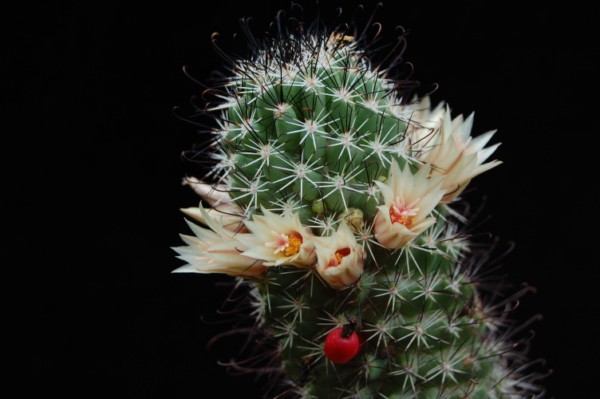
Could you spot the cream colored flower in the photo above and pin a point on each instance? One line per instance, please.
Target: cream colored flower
(279, 240)
(229, 216)
(224, 209)
(407, 203)
(340, 259)
(456, 155)
(216, 250)
(213, 194)
(423, 122)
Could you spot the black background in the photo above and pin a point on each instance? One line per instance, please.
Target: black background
(95, 175)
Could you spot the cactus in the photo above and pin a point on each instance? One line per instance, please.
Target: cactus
(333, 201)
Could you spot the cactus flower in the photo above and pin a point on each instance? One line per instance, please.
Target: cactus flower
(216, 250)
(407, 204)
(213, 194)
(279, 240)
(340, 257)
(227, 211)
(456, 155)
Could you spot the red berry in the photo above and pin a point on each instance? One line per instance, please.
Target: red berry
(340, 349)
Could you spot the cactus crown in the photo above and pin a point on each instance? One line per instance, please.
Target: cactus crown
(310, 126)
(330, 199)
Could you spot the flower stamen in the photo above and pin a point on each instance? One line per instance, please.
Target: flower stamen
(403, 213)
(338, 256)
(289, 245)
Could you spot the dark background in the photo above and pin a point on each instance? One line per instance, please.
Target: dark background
(94, 162)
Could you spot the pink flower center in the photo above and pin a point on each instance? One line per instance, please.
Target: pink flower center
(403, 213)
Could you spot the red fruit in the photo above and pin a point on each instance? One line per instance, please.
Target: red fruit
(340, 348)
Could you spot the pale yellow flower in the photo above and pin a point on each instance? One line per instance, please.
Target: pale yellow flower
(340, 258)
(447, 145)
(459, 157)
(213, 194)
(423, 122)
(228, 216)
(216, 250)
(224, 209)
(279, 240)
(408, 200)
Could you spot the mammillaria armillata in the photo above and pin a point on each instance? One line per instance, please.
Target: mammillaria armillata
(333, 201)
